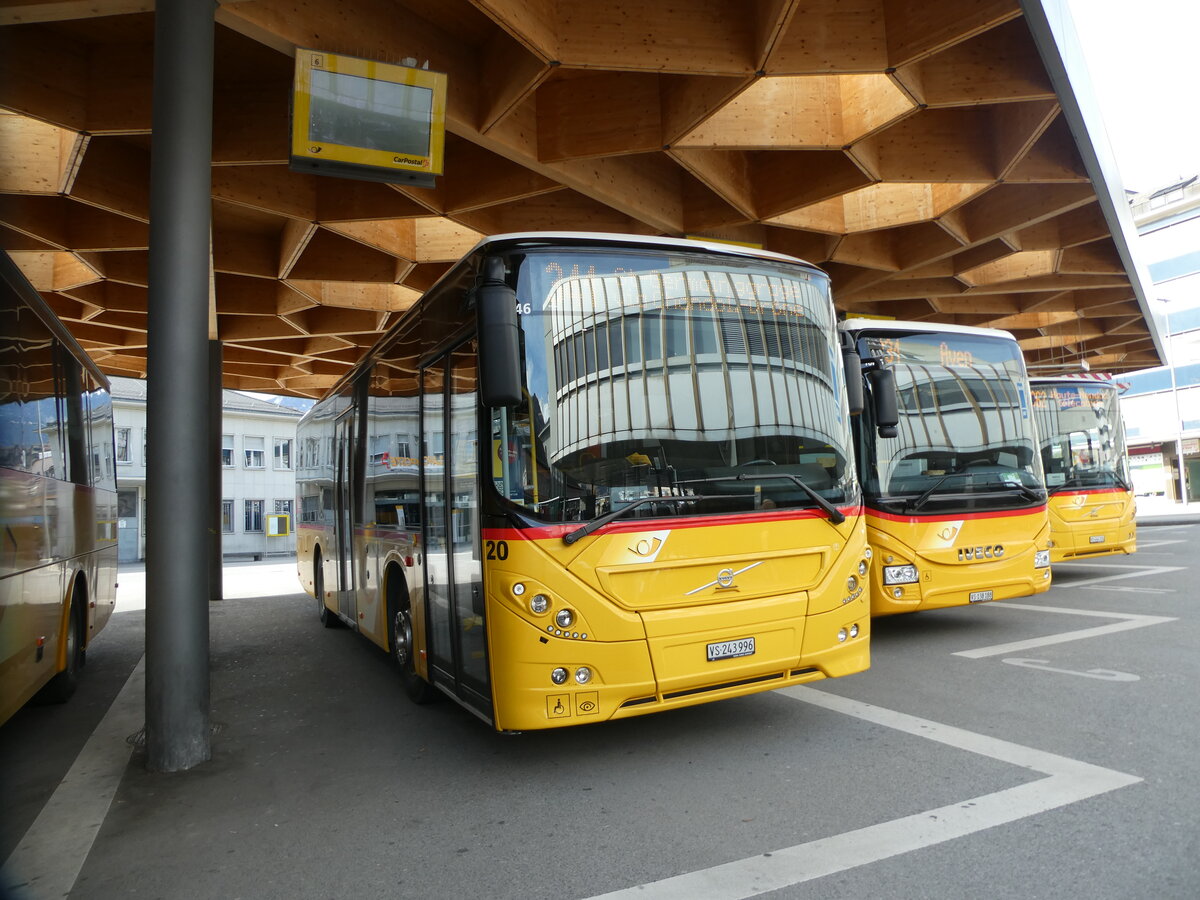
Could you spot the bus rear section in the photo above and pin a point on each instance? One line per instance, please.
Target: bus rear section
(1082, 439)
(955, 504)
(624, 484)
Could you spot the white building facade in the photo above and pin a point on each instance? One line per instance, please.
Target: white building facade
(258, 476)
(1162, 406)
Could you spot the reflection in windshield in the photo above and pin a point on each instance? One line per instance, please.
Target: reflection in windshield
(965, 436)
(662, 376)
(1082, 438)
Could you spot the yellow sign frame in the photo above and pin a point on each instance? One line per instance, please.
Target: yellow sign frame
(312, 153)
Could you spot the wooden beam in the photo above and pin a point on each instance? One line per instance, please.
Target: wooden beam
(532, 23)
(825, 36)
(1009, 207)
(115, 175)
(250, 124)
(708, 37)
(331, 257)
(1054, 157)
(785, 181)
(998, 65)
(44, 75)
(511, 74)
(686, 101)
(477, 178)
(583, 114)
(271, 188)
(19, 13)
(935, 145)
(921, 29)
(725, 172)
(35, 157)
(357, 295)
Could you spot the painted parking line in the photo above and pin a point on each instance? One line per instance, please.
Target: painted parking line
(1138, 572)
(1125, 622)
(1067, 781)
(49, 857)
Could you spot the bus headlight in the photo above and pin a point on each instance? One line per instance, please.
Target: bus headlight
(564, 617)
(559, 675)
(583, 675)
(854, 630)
(842, 635)
(1041, 559)
(539, 603)
(900, 574)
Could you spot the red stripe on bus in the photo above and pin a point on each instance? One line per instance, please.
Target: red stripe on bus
(540, 532)
(954, 517)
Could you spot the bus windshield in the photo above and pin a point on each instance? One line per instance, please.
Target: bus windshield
(965, 439)
(1082, 439)
(673, 374)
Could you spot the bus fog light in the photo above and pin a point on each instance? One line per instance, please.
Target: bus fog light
(539, 603)
(842, 635)
(854, 630)
(900, 574)
(518, 589)
(559, 675)
(852, 584)
(897, 593)
(564, 618)
(868, 553)
(1041, 559)
(583, 675)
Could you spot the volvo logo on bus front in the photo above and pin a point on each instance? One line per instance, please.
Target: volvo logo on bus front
(989, 551)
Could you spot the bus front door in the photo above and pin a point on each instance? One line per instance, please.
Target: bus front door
(453, 574)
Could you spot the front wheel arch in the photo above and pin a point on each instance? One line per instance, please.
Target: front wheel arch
(402, 638)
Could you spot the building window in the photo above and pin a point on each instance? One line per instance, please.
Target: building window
(227, 516)
(253, 520)
(283, 507)
(227, 450)
(122, 436)
(253, 448)
(283, 453)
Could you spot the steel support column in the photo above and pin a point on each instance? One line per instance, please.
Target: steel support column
(177, 478)
(216, 409)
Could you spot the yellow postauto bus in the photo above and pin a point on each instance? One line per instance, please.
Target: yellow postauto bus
(595, 476)
(1082, 440)
(58, 499)
(955, 504)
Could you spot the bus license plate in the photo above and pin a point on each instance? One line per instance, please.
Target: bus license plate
(1096, 539)
(731, 649)
(980, 596)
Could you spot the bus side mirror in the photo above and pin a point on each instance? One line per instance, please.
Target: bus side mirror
(500, 379)
(852, 363)
(883, 391)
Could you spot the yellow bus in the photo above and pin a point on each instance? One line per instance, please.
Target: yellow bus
(587, 477)
(955, 504)
(1087, 467)
(58, 500)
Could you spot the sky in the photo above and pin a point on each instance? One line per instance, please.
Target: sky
(1142, 56)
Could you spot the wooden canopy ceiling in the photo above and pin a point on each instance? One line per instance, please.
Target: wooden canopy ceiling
(916, 151)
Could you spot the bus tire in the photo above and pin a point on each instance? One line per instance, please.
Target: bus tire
(328, 618)
(60, 688)
(400, 640)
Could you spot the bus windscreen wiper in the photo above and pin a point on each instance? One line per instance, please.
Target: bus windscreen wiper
(835, 514)
(600, 521)
(929, 491)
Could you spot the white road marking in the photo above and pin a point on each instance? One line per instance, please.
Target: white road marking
(1128, 621)
(1068, 781)
(49, 857)
(1116, 588)
(1140, 571)
(1043, 664)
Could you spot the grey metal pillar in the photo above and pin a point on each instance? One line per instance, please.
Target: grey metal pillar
(216, 586)
(177, 478)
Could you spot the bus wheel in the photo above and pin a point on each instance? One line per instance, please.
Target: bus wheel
(401, 637)
(60, 688)
(328, 619)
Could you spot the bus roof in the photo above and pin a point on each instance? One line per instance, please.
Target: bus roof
(636, 240)
(922, 327)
